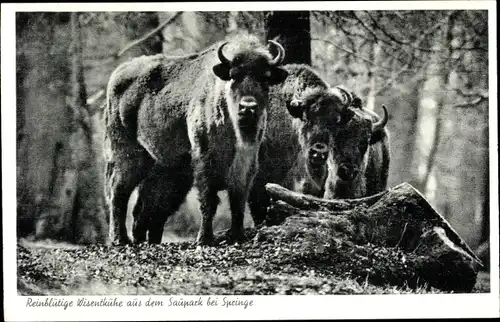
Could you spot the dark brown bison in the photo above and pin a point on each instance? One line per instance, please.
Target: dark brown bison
(197, 118)
(345, 147)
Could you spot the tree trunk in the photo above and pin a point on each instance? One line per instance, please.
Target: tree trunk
(43, 74)
(431, 159)
(445, 70)
(74, 211)
(371, 74)
(292, 29)
(396, 234)
(459, 157)
(89, 216)
(25, 205)
(484, 196)
(404, 127)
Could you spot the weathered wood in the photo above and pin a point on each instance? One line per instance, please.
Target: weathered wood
(308, 202)
(398, 220)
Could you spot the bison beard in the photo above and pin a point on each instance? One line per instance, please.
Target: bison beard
(248, 128)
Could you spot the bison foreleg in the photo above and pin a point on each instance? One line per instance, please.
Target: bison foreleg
(207, 196)
(241, 177)
(208, 206)
(237, 204)
(141, 216)
(258, 200)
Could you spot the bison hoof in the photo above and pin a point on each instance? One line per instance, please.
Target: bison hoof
(235, 236)
(121, 241)
(205, 240)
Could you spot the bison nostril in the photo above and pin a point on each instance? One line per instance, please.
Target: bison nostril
(247, 106)
(246, 112)
(317, 158)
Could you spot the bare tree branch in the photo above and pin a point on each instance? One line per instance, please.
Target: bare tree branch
(478, 97)
(385, 32)
(149, 34)
(350, 53)
(390, 81)
(390, 52)
(349, 39)
(349, 33)
(411, 59)
(402, 42)
(482, 94)
(471, 48)
(94, 97)
(472, 103)
(92, 16)
(375, 37)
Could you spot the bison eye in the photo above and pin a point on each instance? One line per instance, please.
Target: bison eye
(237, 60)
(235, 75)
(263, 76)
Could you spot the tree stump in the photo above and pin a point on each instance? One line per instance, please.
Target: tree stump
(393, 237)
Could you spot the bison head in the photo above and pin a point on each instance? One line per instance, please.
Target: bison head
(322, 112)
(250, 73)
(350, 149)
(335, 135)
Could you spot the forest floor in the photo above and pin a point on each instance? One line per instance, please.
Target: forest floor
(182, 268)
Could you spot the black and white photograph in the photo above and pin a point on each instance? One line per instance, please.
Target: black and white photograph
(192, 160)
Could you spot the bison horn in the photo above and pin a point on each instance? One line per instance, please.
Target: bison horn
(379, 126)
(222, 58)
(280, 56)
(344, 96)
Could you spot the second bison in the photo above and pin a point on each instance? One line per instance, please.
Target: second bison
(346, 148)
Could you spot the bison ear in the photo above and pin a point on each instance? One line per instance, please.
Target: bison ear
(356, 101)
(296, 108)
(222, 71)
(278, 75)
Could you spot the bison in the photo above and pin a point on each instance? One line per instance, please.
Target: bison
(198, 119)
(345, 147)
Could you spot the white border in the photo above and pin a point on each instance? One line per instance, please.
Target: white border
(270, 307)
